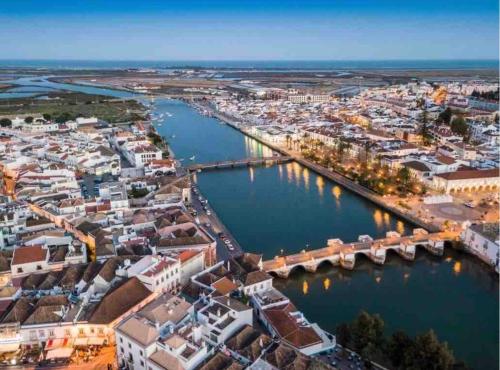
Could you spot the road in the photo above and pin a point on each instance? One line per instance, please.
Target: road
(214, 226)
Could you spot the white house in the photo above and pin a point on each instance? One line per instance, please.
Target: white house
(483, 241)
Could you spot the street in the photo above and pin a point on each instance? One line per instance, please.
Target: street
(212, 224)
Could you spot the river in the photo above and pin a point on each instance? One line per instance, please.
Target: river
(289, 208)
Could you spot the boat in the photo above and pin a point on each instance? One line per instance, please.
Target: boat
(192, 158)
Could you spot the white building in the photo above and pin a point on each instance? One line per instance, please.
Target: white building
(483, 241)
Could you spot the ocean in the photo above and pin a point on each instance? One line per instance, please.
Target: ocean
(313, 65)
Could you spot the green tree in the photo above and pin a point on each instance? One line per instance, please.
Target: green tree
(459, 126)
(47, 116)
(28, 119)
(429, 353)
(398, 346)
(5, 122)
(404, 175)
(367, 329)
(343, 335)
(63, 117)
(445, 116)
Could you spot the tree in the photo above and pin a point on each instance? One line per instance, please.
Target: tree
(429, 353)
(445, 116)
(367, 329)
(47, 117)
(5, 122)
(343, 334)
(404, 175)
(398, 346)
(459, 126)
(63, 117)
(28, 119)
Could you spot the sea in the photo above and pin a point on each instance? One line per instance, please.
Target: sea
(287, 65)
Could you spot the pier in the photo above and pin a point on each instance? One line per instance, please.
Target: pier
(240, 163)
(338, 253)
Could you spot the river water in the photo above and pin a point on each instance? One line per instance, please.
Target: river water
(289, 208)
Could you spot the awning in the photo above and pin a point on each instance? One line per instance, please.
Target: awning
(56, 343)
(80, 341)
(63, 352)
(96, 341)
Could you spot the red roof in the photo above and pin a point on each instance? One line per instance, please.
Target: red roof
(30, 254)
(188, 254)
(470, 174)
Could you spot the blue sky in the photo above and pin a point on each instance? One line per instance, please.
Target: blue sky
(249, 30)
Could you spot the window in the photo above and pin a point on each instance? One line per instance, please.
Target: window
(51, 333)
(101, 331)
(142, 363)
(19, 270)
(121, 349)
(121, 340)
(38, 267)
(41, 333)
(129, 345)
(80, 331)
(67, 332)
(142, 354)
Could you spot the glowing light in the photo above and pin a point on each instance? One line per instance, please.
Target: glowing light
(326, 283)
(305, 287)
(378, 279)
(320, 183)
(377, 217)
(406, 275)
(457, 267)
(337, 192)
(250, 169)
(305, 175)
(387, 219)
(448, 259)
(400, 227)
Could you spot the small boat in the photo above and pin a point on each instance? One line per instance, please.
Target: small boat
(192, 158)
(173, 136)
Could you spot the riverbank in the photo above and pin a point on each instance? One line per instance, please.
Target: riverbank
(332, 176)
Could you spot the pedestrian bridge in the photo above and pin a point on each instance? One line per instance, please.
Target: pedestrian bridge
(338, 253)
(277, 159)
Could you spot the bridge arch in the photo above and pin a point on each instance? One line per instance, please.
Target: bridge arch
(297, 269)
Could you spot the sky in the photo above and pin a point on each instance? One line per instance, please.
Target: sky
(249, 29)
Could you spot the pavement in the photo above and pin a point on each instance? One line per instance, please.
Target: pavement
(214, 226)
(346, 360)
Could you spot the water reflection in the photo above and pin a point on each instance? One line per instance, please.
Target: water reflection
(326, 283)
(337, 192)
(305, 175)
(400, 227)
(377, 217)
(457, 267)
(305, 287)
(320, 184)
(251, 171)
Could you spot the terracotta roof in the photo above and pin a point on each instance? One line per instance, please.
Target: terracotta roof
(31, 254)
(188, 254)
(289, 329)
(470, 174)
(119, 300)
(224, 286)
